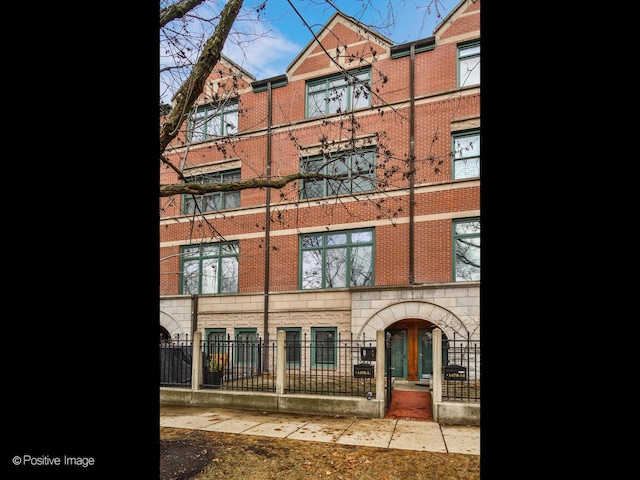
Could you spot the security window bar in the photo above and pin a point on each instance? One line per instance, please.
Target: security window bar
(338, 94)
(466, 246)
(210, 121)
(211, 202)
(210, 268)
(336, 259)
(354, 172)
(469, 64)
(466, 155)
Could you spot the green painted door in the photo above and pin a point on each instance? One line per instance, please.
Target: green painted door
(425, 358)
(398, 353)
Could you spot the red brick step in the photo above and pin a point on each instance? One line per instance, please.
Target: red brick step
(410, 405)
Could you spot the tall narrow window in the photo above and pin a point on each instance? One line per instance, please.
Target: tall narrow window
(211, 202)
(339, 93)
(469, 64)
(210, 268)
(247, 352)
(215, 334)
(323, 350)
(466, 154)
(215, 343)
(293, 345)
(355, 172)
(210, 121)
(466, 247)
(336, 259)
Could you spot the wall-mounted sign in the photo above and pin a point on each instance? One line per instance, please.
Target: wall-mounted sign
(455, 372)
(363, 371)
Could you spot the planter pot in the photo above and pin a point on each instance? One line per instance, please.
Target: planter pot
(213, 378)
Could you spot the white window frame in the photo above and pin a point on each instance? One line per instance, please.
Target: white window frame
(469, 64)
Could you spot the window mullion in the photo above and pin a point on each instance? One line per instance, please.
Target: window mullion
(348, 280)
(327, 97)
(324, 261)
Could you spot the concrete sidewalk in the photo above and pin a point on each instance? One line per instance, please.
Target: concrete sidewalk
(372, 432)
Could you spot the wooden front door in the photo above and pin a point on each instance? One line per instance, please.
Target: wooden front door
(406, 346)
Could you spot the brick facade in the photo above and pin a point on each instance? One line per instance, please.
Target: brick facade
(440, 109)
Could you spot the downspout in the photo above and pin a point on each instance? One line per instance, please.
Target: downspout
(194, 314)
(412, 109)
(267, 243)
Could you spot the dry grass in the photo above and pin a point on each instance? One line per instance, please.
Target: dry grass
(202, 455)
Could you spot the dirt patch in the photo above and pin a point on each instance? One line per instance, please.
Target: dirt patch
(201, 455)
(183, 456)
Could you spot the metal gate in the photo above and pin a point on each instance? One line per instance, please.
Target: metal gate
(388, 369)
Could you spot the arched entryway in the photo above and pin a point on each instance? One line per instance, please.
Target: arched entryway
(411, 349)
(411, 324)
(164, 335)
(171, 327)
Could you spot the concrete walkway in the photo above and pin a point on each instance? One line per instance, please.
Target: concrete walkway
(372, 432)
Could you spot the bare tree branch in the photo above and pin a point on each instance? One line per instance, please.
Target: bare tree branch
(201, 189)
(177, 10)
(169, 164)
(189, 91)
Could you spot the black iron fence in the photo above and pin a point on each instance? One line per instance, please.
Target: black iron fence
(239, 365)
(461, 374)
(176, 358)
(342, 366)
(331, 366)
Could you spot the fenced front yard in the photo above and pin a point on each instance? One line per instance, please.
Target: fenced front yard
(461, 370)
(340, 367)
(321, 368)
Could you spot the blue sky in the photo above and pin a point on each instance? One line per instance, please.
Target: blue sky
(283, 35)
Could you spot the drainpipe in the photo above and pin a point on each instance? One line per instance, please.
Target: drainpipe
(194, 314)
(267, 243)
(268, 85)
(412, 109)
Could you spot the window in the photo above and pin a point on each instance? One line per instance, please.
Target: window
(209, 121)
(210, 268)
(215, 334)
(212, 201)
(466, 247)
(247, 351)
(336, 259)
(356, 173)
(469, 64)
(215, 342)
(466, 154)
(338, 94)
(293, 344)
(323, 347)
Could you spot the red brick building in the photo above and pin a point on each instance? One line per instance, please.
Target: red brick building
(388, 238)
